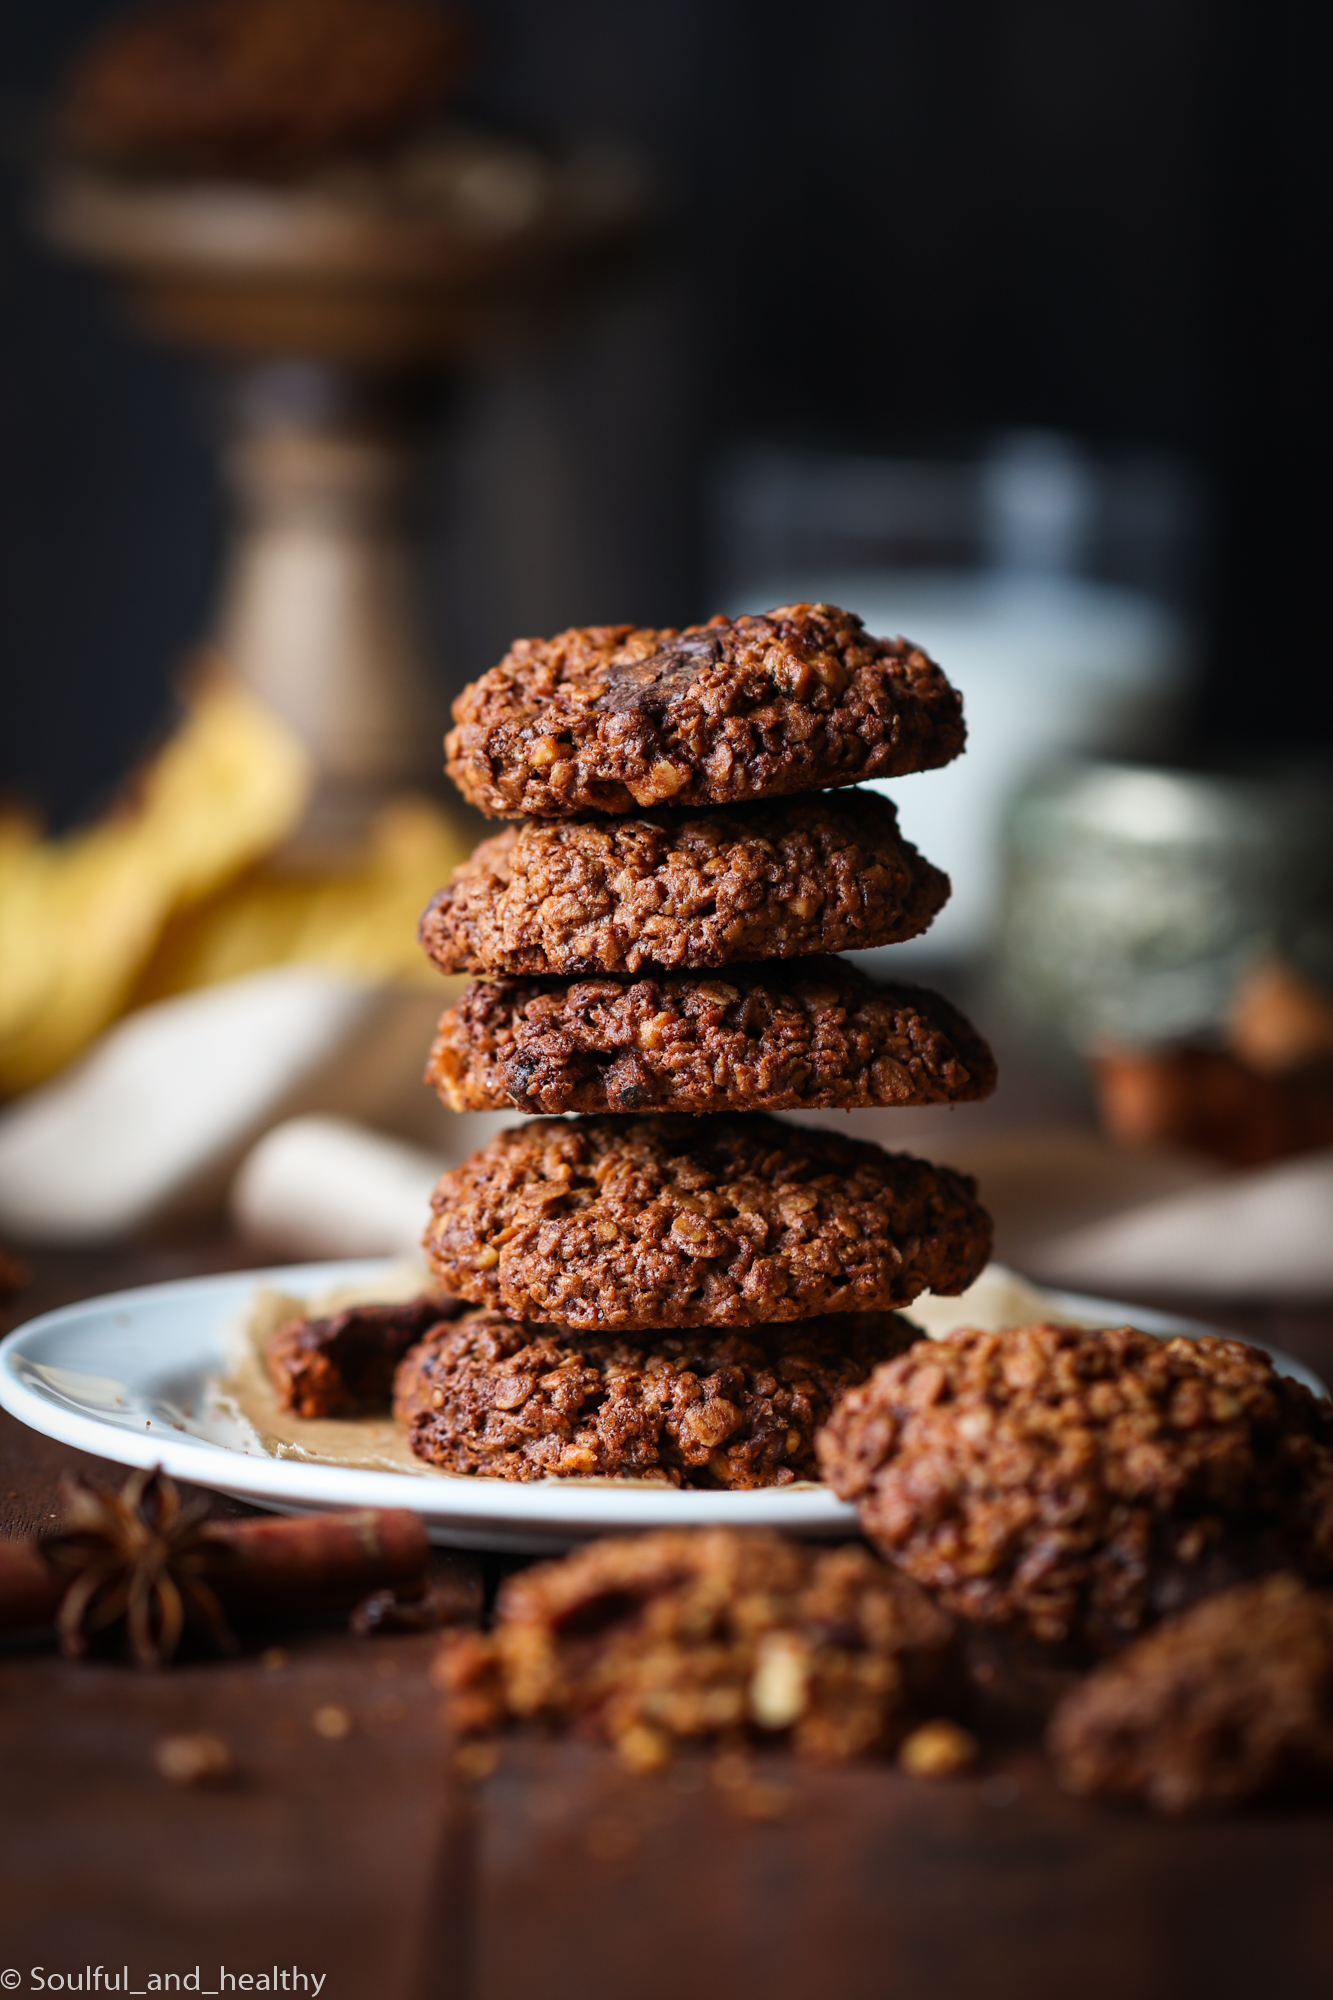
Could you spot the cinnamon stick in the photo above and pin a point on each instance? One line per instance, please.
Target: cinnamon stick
(316, 1562)
(293, 1566)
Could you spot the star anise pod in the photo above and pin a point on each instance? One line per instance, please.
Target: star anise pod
(136, 1560)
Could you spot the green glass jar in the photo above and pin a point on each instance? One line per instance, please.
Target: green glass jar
(1136, 898)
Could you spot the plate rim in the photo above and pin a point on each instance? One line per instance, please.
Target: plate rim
(495, 1514)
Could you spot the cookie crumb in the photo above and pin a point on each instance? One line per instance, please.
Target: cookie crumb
(938, 1749)
(475, 1762)
(199, 1758)
(643, 1749)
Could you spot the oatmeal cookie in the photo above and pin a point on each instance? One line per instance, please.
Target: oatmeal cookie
(343, 1366)
(818, 1036)
(614, 718)
(494, 1396)
(649, 1641)
(1074, 1482)
(722, 1221)
(675, 891)
(1232, 1701)
(262, 88)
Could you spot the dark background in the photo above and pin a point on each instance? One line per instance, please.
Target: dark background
(894, 226)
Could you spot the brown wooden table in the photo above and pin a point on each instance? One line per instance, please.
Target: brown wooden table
(361, 1858)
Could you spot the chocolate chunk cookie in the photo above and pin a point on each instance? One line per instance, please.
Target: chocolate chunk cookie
(676, 891)
(343, 1366)
(725, 1221)
(1079, 1483)
(817, 1035)
(494, 1396)
(612, 719)
(648, 1641)
(1230, 1702)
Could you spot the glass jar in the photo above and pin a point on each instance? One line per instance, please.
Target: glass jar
(1136, 898)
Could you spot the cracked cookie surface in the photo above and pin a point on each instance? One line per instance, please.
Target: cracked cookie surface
(814, 1035)
(632, 1223)
(1082, 1483)
(678, 891)
(614, 718)
(494, 1396)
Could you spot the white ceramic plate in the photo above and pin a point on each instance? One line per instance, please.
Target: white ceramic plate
(127, 1377)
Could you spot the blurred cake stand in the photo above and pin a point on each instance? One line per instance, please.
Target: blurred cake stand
(339, 303)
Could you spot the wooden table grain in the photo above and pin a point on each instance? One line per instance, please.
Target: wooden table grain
(360, 1861)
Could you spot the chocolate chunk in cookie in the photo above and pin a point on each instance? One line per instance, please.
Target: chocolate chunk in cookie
(814, 1035)
(630, 1223)
(614, 718)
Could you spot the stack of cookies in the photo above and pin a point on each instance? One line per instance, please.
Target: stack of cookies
(674, 1284)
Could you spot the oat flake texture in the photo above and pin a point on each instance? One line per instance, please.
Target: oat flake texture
(728, 1221)
(613, 718)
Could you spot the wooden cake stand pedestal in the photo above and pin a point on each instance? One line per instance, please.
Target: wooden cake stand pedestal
(338, 305)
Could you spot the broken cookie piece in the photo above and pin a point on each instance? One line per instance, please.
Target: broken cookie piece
(343, 1366)
(718, 1636)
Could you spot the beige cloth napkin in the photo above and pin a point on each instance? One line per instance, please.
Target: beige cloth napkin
(154, 1120)
(1269, 1233)
(324, 1187)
